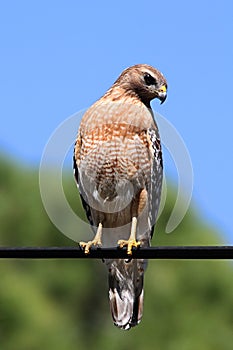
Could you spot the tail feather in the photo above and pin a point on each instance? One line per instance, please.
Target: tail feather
(126, 293)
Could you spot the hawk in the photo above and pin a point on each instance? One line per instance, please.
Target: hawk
(118, 169)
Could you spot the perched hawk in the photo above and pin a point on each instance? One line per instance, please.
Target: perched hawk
(118, 169)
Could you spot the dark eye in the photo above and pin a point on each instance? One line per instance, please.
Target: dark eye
(149, 80)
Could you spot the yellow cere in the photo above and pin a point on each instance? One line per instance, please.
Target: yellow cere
(163, 88)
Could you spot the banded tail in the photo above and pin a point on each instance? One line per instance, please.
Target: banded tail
(126, 292)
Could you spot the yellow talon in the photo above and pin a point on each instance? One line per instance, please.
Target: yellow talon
(95, 242)
(87, 245)
(129, 243)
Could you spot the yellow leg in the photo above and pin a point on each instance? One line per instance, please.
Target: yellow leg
(95, 242)
(131, 242)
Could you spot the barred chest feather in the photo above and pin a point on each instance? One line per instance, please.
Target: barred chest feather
(115, 164)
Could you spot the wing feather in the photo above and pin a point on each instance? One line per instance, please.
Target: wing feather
(156, 175)
(76, 162)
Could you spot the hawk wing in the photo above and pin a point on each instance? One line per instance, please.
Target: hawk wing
(76, 161)
(156, 176)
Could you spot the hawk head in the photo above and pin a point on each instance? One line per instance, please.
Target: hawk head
(145, 81)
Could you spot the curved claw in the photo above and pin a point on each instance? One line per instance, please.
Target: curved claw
(87, 245)
(95, 242)
(130, 243)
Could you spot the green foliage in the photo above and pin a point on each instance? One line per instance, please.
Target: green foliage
(63, 304)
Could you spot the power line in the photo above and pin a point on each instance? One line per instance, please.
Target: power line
(161, 252)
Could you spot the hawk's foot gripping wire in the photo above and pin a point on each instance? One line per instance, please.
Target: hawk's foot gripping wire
(131, 242)
(95, 242)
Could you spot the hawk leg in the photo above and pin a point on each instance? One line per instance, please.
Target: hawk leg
(95, 242)
(131, 242)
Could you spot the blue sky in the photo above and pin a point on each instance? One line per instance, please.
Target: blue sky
(58, 57)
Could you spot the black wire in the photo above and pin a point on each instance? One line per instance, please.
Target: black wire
(165, 252)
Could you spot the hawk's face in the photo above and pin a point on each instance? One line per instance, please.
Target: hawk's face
(147, 82)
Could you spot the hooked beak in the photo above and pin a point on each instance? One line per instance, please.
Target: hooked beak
(162, 93)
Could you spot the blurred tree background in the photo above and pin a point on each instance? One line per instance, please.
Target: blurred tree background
(63, 304)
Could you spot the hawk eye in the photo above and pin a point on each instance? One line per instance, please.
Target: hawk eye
(149, 80)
